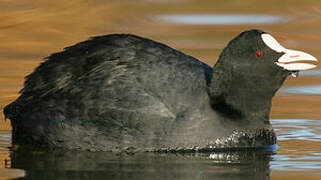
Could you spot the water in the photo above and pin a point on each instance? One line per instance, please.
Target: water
(311, 73)
(298, 131)
(307, 90)
(86, 165)
(222, 19)
(31, 30)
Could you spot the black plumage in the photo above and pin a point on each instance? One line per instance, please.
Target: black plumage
(119, 91)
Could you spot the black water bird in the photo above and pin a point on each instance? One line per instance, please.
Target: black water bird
(121, 91)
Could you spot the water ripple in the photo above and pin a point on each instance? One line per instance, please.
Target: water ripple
(290, 165)
(222, 19)
(5, 137)
(297, 129)
(306, 90)
(315, 72)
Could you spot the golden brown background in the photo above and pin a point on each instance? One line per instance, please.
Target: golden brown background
(32, 29)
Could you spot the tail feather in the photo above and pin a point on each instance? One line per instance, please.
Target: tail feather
(11, 111)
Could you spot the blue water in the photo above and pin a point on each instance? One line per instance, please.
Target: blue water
(314, 72)
(303, 90)
(298, 129)
(222, 19)
(305, 131)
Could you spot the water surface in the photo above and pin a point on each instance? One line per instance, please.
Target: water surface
(31, 30)
(303, 90)
(222, 19)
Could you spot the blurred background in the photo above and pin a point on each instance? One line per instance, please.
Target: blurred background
(33, 29)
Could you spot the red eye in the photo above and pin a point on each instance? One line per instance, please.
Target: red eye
(258, 53)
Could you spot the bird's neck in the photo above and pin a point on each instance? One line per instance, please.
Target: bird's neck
(239, 100)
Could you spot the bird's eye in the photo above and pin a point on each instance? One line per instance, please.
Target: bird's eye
(258, 54)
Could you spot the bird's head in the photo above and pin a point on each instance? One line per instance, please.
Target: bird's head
(256, 59)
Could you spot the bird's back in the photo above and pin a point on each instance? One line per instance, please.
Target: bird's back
(105, 91)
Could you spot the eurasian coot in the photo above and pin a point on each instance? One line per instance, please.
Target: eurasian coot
(122, 91)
